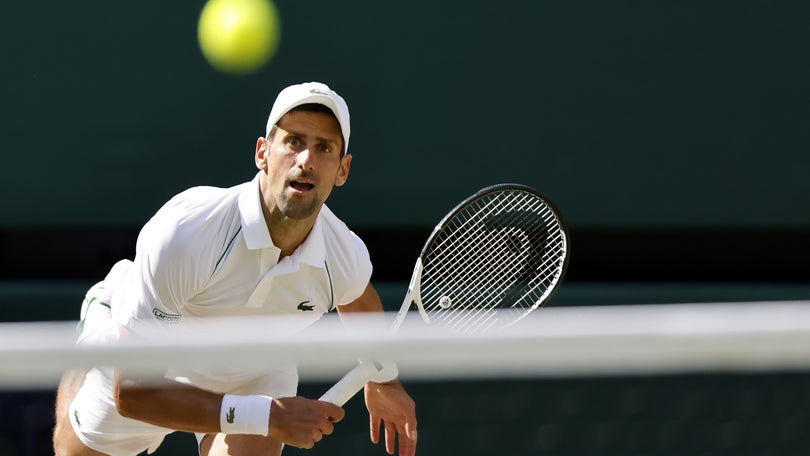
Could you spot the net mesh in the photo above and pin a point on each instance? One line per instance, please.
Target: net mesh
(565, 341)
(730, 378)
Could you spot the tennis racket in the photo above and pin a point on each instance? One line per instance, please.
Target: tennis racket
(494, 258)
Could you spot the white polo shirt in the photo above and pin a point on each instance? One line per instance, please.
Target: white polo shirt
(207, 253)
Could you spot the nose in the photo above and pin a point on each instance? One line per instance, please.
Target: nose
(304, 158)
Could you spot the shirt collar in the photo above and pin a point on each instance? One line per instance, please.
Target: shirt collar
(250, 210)
(313, 250)
(254, 227)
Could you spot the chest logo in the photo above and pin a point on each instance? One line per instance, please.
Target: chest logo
(304, 307)
(165, 317)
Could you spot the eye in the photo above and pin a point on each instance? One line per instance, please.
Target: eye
(325, 148)
(294, 141)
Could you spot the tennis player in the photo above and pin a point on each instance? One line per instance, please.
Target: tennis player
(268, 247)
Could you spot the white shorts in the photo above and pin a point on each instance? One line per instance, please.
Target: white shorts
(95, 418)
(98, 424)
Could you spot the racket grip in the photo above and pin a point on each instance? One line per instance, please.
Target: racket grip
(350, 384)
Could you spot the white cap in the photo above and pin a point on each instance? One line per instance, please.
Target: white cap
(311, 92)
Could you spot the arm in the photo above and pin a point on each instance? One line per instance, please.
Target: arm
(165, 274)
(167, 403)
(296, 421)
(387, 403)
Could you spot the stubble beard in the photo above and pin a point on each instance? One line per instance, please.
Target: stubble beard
(297, 209)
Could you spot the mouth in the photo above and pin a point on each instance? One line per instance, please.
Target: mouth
(301, 185)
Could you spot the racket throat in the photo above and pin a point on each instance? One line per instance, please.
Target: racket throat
(414, 295)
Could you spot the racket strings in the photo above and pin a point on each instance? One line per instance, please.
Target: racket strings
(473, 316)
(471, 267)
(471, 240)
(480, 247)
(483, 245)
(470, 248)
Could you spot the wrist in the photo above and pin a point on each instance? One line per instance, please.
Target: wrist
(245, 414)
(388, 372)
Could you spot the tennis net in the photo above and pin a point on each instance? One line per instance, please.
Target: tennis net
(566, 341)
(664, 379)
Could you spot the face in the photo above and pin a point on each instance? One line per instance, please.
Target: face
(300, 164)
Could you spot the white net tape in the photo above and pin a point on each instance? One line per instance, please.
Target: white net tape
(567, 341)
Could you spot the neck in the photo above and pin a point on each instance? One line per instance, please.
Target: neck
(288, 234)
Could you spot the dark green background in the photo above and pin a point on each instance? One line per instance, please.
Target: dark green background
(625, 113)
(672, 135)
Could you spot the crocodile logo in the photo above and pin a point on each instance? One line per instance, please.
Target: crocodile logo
(303, 307)
(229, 417)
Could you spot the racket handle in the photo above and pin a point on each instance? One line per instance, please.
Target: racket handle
(350, 384)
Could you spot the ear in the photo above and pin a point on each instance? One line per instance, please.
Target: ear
(343, 171)
(261, 153)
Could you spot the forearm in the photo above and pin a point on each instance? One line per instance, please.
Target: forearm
(368, 302)
(296, 421)
(368, 310)
(168, 404)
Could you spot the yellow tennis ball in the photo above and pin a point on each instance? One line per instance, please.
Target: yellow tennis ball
(239, 36)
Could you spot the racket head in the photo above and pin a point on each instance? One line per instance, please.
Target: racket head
(495, 257)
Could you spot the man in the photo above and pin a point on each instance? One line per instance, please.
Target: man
(267, 247)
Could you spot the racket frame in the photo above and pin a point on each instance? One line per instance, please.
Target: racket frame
(365, 371)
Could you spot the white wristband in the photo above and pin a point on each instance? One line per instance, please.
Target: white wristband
(245, 414)
(388, 372)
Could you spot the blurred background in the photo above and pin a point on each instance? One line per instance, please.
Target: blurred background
(672, 136)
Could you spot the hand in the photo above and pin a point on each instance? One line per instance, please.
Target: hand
(390, 404)
(302, 422)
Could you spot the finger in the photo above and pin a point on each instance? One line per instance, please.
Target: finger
(390, 438)
(317, 436)
(374, 428)
(410, 430)
(407, 447)
(327, 428)
(407, 441)
(334, 413)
